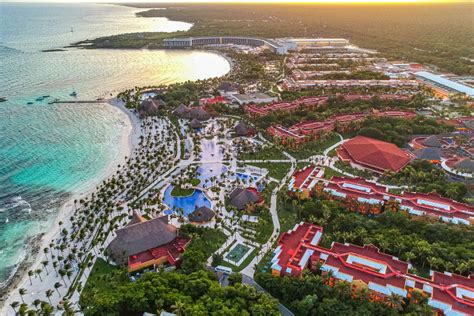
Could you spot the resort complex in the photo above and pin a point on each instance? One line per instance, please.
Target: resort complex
(220, 207)
(368, 268)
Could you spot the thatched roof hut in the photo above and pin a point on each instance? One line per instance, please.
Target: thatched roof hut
(140, 235)
(181, 111)
(432, 141)
(241, 129)
(198, 113)
(150, 107)
(201, 215)
(240, 198)
(195, 124)
(465, 164)
(429, 153)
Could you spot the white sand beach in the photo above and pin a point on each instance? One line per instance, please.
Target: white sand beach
(38, 287)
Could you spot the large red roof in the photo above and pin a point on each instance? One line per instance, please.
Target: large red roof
(376, 154)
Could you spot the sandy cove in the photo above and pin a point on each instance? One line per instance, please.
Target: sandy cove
(38, 287)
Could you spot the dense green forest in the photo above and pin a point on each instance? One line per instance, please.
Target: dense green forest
(437, 34)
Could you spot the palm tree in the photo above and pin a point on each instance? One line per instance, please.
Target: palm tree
(38, 273)
(14, 305)
(45, 263)
(57, 285)
(178, 308)
(49, 293)
(30, 274)
(396, 301)
(22, 292)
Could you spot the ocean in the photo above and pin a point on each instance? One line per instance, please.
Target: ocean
(50, 151)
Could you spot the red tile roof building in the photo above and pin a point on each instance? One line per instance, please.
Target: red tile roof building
(311, 103)
(373, 154)
(372, 197)
(214, 100)
(169, 254)
(304, 180)
(366, 267)
(306, 131)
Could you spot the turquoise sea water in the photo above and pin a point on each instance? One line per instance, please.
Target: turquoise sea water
(49, 151)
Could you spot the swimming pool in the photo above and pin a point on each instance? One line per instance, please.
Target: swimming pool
(187, 203)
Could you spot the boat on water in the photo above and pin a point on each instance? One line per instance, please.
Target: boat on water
(29, 103)
(46, 96)
(3, 99)
(39, 99)
(73, 94)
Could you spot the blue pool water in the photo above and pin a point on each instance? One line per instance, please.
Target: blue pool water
(187, 203)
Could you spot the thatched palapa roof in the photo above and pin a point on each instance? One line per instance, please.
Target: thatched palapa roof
(140, 235)
(240, 198)
(201, 215)
(429, 153)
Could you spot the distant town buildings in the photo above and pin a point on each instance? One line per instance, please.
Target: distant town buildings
(443, 86)
(367, 268)
(279, 46)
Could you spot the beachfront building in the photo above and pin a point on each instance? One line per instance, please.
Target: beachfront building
(369, 269)
(360, 195)
(442, 86)
(279, 47)
(375, 155)
(147, 244)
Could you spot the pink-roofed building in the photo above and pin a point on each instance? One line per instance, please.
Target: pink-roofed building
(366, 267)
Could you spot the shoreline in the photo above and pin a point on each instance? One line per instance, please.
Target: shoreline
(20, 278)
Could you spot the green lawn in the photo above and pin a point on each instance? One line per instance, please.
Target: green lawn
(329, 173)
(275, 170)
(313, 148)
(206, 240)
(263, 228)
(181, 192)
